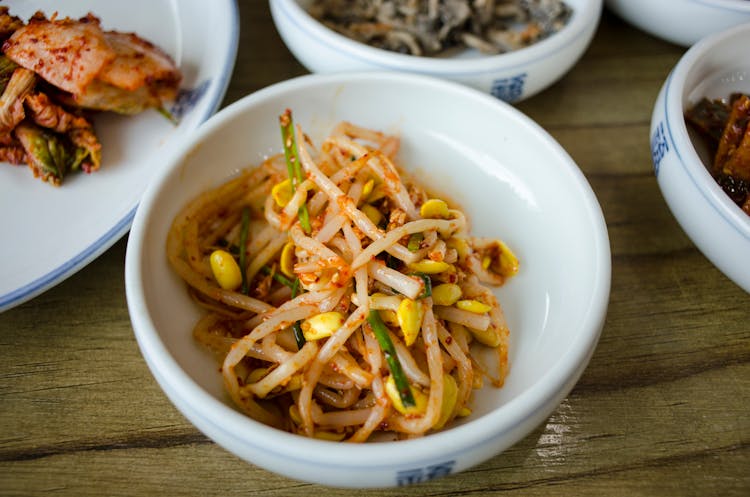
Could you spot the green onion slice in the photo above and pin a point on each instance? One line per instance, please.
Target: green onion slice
(427, 285)
(299, 337)
(291, 155)
(389, 351)
(415, 241)
(280, 278)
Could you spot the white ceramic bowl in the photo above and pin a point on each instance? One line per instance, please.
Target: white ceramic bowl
(715, 67)
(512, 77)
(683, 22)
(513, 180)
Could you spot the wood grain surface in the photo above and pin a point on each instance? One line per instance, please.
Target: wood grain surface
(663, 408)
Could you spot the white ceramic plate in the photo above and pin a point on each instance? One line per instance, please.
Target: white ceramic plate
(49, 233)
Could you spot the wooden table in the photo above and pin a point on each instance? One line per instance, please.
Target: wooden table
(663, 408)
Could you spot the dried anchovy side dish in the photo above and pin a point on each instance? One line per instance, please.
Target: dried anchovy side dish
(430, 27)
(725, 126)
(342, 301)
(54, 72)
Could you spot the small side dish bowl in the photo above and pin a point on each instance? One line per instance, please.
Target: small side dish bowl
(512, 76)
(509, 176)
(715, 67)
(682, 22)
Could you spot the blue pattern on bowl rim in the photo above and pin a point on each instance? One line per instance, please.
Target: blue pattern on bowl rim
(509, 89)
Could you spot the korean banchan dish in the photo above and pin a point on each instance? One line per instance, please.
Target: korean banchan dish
(432, 27)
(55, 72)
(341, 300)
(725, 125)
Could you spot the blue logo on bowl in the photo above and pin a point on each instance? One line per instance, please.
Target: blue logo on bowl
(509, 89)
(659, 146)
(418, 475)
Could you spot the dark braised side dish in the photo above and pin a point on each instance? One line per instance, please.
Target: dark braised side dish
(430, 27)
(724, 125)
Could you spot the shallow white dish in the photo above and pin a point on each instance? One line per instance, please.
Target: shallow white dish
(683, 22)
(49, 233)
(715, 67)
(512, 76)
(510, 177)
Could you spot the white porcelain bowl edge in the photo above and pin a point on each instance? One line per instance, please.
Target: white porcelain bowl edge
(512, 77)
(713, 68)
(557, 320)
(683, 22)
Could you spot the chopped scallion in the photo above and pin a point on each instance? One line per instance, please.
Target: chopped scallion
(299, 336)
(427, 285)
(389, 351)
(292, 164)
(279, 277)
(415, 241)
